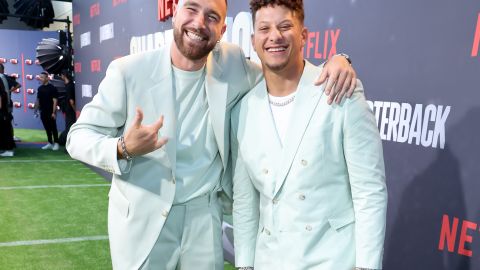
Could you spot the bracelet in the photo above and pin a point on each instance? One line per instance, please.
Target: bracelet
(125, 153)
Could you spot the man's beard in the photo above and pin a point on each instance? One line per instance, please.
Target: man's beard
(192, 53)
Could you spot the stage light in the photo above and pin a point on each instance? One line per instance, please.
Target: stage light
(3, 9)
(53, 56)
(37, 13)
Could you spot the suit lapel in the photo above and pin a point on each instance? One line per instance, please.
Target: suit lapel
(266, 128)
(163, 98)
(306, 101)
(265, 132)
(217, 91)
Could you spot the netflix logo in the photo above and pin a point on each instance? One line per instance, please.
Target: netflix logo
(94, 10)
(78, 67)
(95, 65)
(322, 45)
(449, 233)
(476, 38)
(76, 19)
(118, 2)
(166, 8)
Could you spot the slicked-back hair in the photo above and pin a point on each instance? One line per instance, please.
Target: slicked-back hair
(294, 5)
(180, 3)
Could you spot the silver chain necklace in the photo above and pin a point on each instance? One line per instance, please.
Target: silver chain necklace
(282, 103)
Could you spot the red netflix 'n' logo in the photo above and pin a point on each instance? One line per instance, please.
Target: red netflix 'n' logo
(94, 10)
(166, 8)
(322, 45)
(78, 67)
(118, 2)
(448, 234)
(76, 19)
(95, 65)
(476, 39)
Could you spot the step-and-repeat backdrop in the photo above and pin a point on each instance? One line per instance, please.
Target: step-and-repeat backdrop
(420, 64)
(17, 54)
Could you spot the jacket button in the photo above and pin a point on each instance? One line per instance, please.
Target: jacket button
(301, 197)
(265, 171)
(165, 213)
(267, 232)
(275, 201)
(308, 228)
(304, 162)
(173, 180)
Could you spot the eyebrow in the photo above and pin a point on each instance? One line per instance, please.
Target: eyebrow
(281, 22)
(197, 5)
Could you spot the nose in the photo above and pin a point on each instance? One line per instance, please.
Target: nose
(199, 21)
(275, 35)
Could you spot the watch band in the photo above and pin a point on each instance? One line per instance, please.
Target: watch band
(346, 57)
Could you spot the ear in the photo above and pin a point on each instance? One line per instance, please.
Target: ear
(304, 36)
(224, 28)
(252, 38)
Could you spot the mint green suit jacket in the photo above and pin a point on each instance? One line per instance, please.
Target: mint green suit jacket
(320, 201)
(142, 193)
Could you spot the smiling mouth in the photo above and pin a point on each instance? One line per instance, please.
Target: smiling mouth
(277, 49)
(194, 36)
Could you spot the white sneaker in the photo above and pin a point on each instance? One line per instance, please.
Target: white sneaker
(55, 147)
(6, 154)
(47, 146)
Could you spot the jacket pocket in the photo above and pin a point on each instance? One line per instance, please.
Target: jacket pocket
(342, 219)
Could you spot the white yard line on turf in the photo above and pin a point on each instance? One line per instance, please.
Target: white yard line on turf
(55, 186)
(37, 160)
(53, 241)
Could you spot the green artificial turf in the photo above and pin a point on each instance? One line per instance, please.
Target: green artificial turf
(30, 135)
(33, 207)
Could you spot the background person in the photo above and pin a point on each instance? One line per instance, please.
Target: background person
(46, 103)
(9, 84)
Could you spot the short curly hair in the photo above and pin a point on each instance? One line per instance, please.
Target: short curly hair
(294, 5)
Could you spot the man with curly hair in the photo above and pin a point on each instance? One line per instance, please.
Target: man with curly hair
(309, 189)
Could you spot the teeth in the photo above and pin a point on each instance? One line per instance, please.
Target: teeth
(194, 36)
(277, 49)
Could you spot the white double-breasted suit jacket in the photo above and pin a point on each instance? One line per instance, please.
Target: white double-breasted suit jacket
(318, 202)
(142, 193)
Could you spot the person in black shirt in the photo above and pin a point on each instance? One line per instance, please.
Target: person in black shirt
(47, 100)
(8, 84)
(70, 113)
(6, 135)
